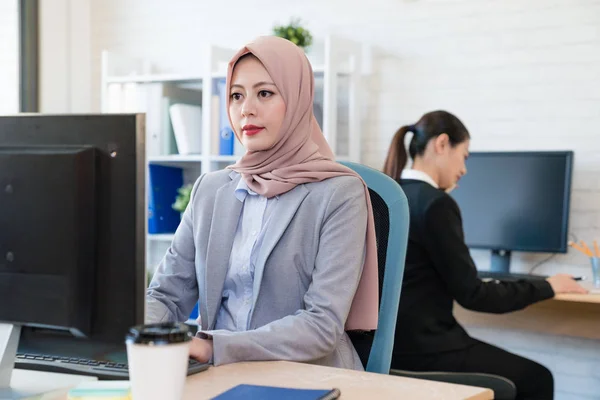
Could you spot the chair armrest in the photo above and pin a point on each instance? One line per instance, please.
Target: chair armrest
(504, 389)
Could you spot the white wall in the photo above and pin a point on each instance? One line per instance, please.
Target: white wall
(9, 57)
(65, 56)
(520, 74)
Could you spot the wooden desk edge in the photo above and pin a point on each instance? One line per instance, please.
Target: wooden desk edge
(487, 394)
(579, 298)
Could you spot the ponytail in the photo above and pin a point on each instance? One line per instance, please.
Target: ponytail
(397, 157)
(430, 125)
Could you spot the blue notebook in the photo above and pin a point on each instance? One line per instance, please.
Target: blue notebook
(271, 392)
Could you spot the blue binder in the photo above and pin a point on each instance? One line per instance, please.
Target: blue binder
(226, 135)
(245, 391)
(164, 182)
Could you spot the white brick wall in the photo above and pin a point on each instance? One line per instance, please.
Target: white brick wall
(520, 74)
(9, 57)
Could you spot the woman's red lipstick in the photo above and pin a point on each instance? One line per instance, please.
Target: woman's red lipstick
(250, 130)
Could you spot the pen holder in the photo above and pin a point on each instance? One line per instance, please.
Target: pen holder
(596, 271)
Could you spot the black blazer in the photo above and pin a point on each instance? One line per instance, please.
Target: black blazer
(439, 270)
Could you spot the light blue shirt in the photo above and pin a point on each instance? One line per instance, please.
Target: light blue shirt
(236, 303)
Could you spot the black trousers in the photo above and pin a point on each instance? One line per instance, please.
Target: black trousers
(533, 380)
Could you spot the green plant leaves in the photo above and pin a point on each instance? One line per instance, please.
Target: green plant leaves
(294, 33)
(183, 198)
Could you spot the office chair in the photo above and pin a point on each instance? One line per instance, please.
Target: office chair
(390, 210)
(391, 214)
(503, 388)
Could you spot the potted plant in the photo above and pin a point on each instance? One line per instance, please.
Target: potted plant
(149, 276)
(295, 33)
(183, 198)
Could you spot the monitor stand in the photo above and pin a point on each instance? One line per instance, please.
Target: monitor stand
(25, 384)
(500, 261)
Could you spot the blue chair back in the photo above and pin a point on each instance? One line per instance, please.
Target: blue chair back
(390, 208)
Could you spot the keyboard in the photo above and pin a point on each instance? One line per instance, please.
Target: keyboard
(502, 276)
(103, 370)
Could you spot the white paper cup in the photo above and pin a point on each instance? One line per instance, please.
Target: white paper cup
(158, 355)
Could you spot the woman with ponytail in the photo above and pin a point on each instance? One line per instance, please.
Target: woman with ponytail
(439, 269)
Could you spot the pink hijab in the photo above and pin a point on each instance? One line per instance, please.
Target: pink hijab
(302, 155)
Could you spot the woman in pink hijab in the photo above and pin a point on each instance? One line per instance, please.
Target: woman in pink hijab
(278, 249)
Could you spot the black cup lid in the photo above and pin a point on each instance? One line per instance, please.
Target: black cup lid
(159, 334)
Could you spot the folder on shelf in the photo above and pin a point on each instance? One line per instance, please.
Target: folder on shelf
(215, 123)
(226, 135)
(164, 182)
(187, 127)
(171, 95)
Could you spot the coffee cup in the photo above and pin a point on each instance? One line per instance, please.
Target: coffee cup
(158, 355)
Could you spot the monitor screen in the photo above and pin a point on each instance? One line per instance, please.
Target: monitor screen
(47, 238)
(72, 236)
(516, 201)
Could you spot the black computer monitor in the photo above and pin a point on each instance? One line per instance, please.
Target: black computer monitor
(516, 201)
(72, 233)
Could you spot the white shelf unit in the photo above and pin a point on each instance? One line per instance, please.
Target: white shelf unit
(161, 237)
(337, 66)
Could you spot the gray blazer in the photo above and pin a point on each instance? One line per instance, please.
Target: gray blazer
(305, 277)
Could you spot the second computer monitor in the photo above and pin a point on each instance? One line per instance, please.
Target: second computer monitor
(516, 201)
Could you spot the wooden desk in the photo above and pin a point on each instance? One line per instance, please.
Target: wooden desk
(567, 315)
(579, 298)
(352, 384)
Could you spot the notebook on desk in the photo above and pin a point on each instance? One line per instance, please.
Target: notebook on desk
(271, 392)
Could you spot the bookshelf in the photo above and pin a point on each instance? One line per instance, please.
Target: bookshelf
(161, 237)
(133, 85)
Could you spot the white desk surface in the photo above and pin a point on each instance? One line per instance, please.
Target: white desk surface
(53, 385)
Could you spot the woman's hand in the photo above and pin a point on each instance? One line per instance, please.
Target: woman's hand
(564, 283)
(201, 349)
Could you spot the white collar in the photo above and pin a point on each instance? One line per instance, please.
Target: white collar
(418, 176)
(242, 189)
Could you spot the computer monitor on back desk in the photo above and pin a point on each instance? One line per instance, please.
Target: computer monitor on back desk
(516, 201)
(72, 235)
